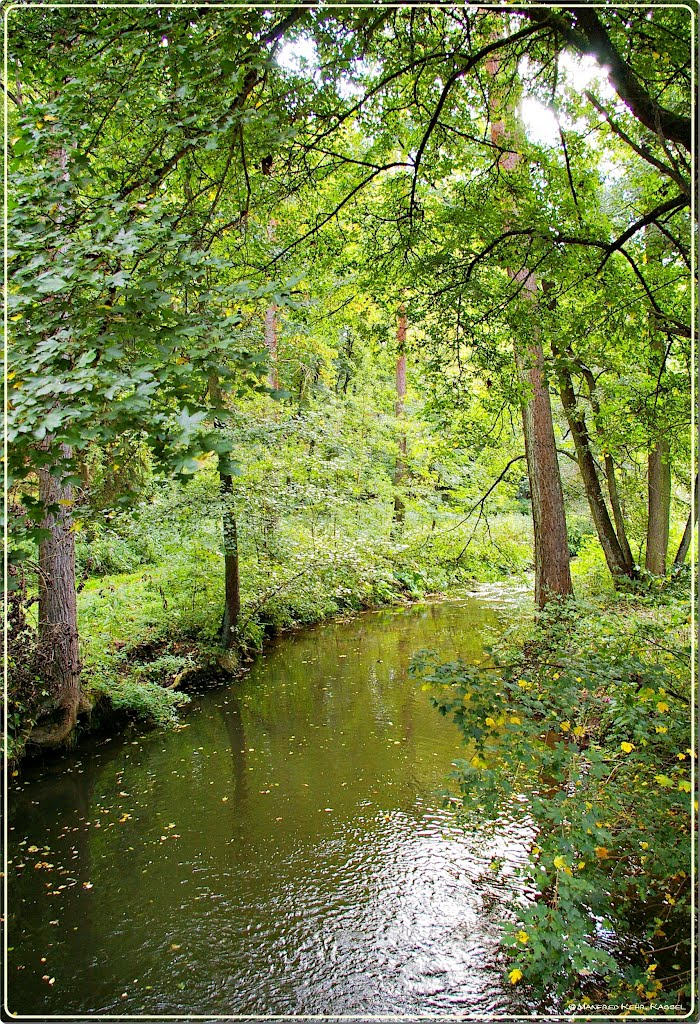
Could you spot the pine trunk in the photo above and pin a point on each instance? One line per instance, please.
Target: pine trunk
(58, 613)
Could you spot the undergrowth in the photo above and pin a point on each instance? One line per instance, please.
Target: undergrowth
(580, 727)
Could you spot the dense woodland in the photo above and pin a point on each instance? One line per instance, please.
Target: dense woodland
(319, 308)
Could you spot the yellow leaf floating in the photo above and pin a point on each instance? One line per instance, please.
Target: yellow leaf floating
(515, 975)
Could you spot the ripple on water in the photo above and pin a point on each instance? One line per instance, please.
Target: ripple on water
(311, 869)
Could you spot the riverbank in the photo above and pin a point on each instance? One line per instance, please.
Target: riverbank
(582, 728)
(149, 635)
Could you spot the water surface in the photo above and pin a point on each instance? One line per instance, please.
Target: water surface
(286, 852)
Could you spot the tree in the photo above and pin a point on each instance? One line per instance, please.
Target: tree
(400, 469)
(116, 314)
(552, 574)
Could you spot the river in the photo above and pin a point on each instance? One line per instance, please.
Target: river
(285, 852)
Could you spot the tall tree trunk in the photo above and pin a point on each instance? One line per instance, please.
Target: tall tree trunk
(617, 510)
(271, 325)
(659, 493)
(400, 467)
(58, 612)
(610, 476)
(551, 546)
(58, 637)
(229, 530)
(271, 345)
(684, 545)
(232, 583)
(658, 489)
(614, 555)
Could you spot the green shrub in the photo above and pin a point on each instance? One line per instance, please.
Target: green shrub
(144, 701)
(583, 734)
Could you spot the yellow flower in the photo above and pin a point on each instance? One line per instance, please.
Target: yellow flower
(490, 721)
(579, 731)
(515, 975)
(661, 707)
(522, 936)
(627, 747)
(565, 726)
(514, 719)
(601, 852)
(662, 728)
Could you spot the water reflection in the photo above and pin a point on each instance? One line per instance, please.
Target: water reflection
(283, 853)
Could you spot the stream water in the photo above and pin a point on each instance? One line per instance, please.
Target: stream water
(286, 852)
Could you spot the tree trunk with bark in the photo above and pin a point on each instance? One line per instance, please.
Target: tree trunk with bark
(400, 467)
(612, 549)
(610, 475)
(229, 530)
(232, 583)
(271, 345)
(684, 545)
(658, 489)
(57, 632)
(551, 545)
(659, 494)
(58, 612)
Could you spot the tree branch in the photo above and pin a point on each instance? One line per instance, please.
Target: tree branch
(593, 39)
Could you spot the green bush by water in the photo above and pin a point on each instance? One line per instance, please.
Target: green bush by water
(583, 730)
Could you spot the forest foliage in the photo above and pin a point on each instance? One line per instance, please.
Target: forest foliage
(316, 308)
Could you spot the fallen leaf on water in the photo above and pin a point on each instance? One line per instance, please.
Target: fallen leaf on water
(174, 945)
